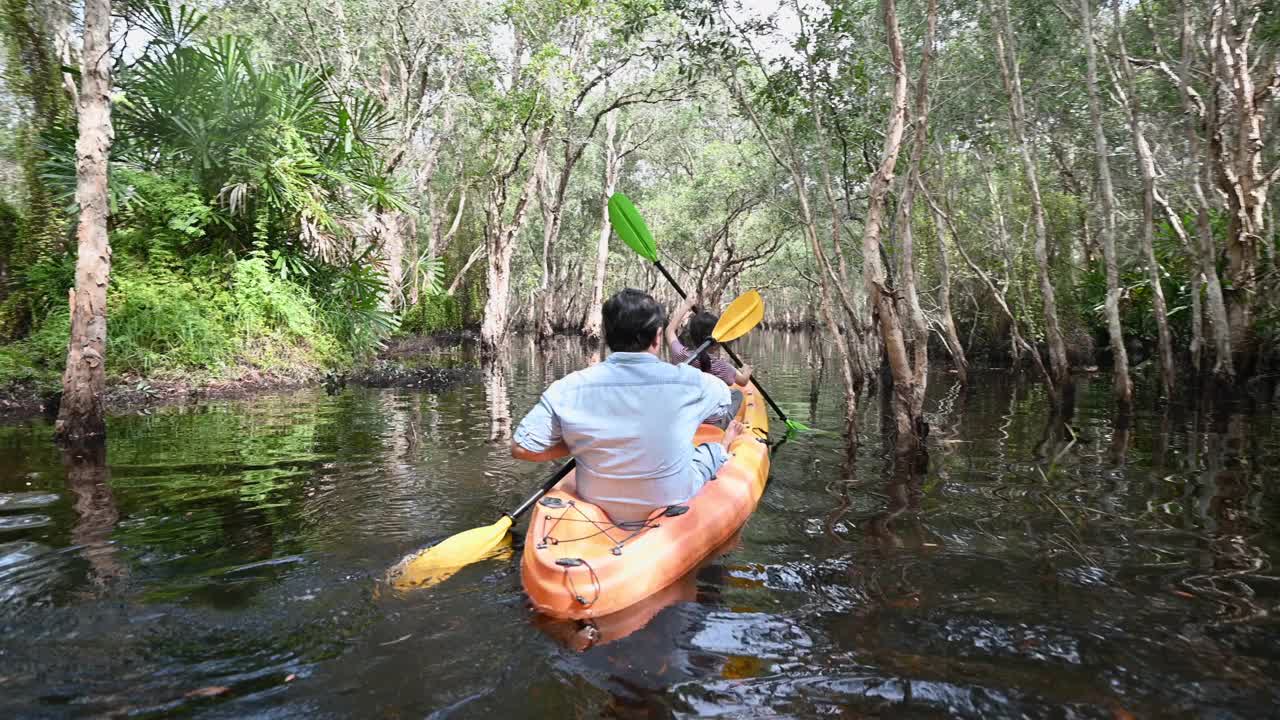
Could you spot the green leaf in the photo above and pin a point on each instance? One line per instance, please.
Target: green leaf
(626, 221)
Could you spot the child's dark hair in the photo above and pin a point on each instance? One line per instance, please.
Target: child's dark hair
(700, 327)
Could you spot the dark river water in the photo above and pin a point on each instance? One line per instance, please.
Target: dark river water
(226, 561)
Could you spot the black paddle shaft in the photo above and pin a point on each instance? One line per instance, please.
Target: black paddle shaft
(732, 355)
(565, 469)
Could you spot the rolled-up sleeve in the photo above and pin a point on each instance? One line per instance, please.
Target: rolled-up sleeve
(539, 431)
(716, 398)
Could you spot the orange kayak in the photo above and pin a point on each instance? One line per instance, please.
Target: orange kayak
(577, 564)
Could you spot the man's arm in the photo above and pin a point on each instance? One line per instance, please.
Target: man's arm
(538, 438)
(555, 452)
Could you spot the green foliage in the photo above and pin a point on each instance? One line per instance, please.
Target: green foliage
(160, 319)
(435, 312)
(236, 185)
(9, 219)
(204, 318)
(276, 320)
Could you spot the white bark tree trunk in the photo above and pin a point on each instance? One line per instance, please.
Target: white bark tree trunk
(1121, 383)
(884, 300)
(1203, 243)
(500, 238)
(80, 417)
(1127, 88)
(592, 329)
(1007, 55)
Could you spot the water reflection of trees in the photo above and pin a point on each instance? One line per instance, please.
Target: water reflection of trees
(88, 478)
(1229, 563)
(497, 396)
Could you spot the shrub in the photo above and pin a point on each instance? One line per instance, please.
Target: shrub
(158, 319)
(433, 313)
(277, 320)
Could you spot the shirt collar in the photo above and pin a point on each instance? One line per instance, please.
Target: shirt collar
(632, 357)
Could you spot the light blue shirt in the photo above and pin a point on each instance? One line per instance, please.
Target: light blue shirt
(630, 422)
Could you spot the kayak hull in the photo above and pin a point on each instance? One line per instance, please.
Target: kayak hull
(577, 564)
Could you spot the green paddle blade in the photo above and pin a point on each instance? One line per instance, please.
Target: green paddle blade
(626, 221)
(797, 426)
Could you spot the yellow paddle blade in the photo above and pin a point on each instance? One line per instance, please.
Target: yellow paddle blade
(740, 317)
(440, 561)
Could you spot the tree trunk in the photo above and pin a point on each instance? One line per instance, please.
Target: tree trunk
(1238, 145)
(916, 330)
(551, 213)
(462, 272)
(1006, 267)
(1007, 55)
(592, 329)
(500, 242)
(80, 416)
(1121, 384)
(809, 225)
(997, 294)
(389, 229)
(954, 347)
(1128, 90)
(1204, 245)
(883, 298)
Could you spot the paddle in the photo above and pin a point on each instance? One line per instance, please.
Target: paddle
(440, 561)
(626, 221)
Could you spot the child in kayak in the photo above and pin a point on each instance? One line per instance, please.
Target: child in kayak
(630, 419)
(709, 361)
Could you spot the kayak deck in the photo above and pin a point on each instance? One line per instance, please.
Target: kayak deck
(578, 564)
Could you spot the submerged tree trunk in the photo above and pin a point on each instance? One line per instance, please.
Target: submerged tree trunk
(826, 281)
(1007, 56)
(916, 329)
(1121, 384)
(1128, 89)
(1238, 144)
(1203, 243)
(884, 300)
(80, 416)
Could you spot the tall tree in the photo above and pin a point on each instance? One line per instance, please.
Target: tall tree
(1011, 75)
(951, 335)
(610, 170)
(905, 341)
(1245, 79)
(1127, 89)
(1121, 384)
(80, 418)
(1193, 106)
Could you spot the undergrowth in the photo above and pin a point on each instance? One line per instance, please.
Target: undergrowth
(209, 320)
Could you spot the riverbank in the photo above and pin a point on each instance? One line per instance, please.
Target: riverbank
(427, 362)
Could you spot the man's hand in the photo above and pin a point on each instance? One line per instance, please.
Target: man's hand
(555, 452)
(744, 376)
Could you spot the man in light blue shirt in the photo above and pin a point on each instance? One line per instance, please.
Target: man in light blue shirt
(630, 420)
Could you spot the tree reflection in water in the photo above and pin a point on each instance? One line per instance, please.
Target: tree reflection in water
(497, 396)
(1231, 562)
(88, 479)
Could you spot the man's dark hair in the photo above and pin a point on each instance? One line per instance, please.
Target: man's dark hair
(631, 320)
